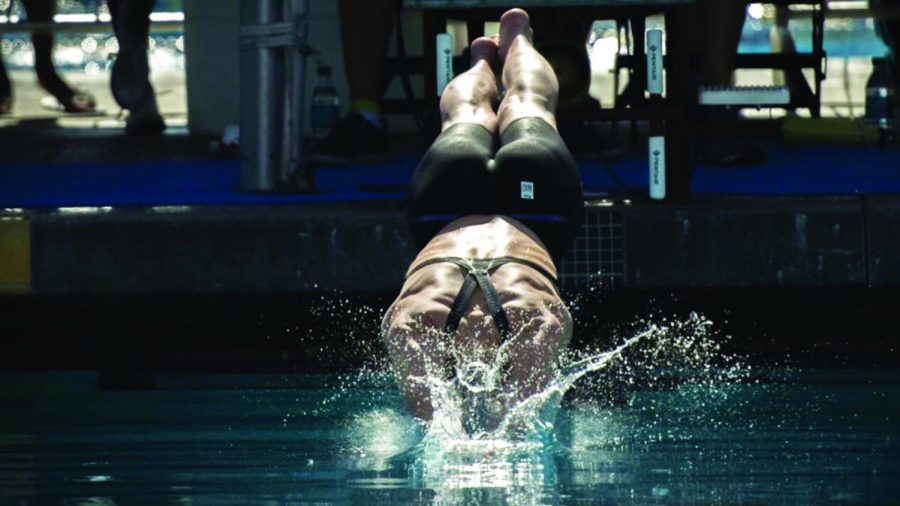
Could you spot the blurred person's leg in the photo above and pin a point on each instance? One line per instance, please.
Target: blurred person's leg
(5, 90)
(887, 25)
(781, 41)
(366, 29)
(130, 80)
(42, 11)
(721, 23)
(562, 39)
(888, 28)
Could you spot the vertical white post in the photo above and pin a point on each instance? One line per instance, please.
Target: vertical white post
(444, 61)
(655, 61)
(657, 153)
(657, 143)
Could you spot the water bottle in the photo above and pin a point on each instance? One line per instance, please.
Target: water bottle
(325, 104)
(880, 99)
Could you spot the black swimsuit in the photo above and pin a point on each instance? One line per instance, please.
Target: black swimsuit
(478, 273)
(528, 174)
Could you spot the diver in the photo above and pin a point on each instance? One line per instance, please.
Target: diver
(493, 206)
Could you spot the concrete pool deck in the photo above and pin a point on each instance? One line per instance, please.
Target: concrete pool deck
(264, 287)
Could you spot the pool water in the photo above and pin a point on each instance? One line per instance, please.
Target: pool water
(777, 436)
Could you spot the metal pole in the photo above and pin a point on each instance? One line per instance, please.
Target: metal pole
(298, 13)
(258, 120)
(273, 73)
(267, 100)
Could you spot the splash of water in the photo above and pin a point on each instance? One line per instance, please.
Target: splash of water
(485, 444)
(472, 403)
(472, 406)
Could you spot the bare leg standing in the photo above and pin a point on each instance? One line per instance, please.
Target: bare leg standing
(366, 29)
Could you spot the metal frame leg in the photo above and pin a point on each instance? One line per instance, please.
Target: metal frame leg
(272, 98)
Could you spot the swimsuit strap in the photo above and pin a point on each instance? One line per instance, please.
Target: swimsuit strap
(478, 275)
(478, 272)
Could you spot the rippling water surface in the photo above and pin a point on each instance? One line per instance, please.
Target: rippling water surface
(774, 437)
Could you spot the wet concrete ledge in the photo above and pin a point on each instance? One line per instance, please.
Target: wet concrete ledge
(710, 242)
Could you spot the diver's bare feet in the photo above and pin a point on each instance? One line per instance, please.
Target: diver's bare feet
(532, 89)
(485, 48)
(513, 23)
(468, 97)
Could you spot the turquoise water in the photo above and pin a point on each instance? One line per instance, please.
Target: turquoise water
(775, 437)
(843, 37)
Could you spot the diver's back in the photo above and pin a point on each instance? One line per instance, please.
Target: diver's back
(520, 269)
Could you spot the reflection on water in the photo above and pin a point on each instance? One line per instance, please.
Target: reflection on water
(782, 437)
(372, 438)
(774, 437)
(667, 418)
(486, 472)
(390, 444)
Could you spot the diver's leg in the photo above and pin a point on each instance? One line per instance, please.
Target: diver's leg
(535, 172)
(452, 178)
(532, 153)
(467, 98)
(531, 86)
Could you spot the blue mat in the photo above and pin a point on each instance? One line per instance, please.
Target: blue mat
(790, 171)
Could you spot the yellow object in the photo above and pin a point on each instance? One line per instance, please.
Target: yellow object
(15, 255)
(827, 130)
(362, 104)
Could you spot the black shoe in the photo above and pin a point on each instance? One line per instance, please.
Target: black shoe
(145, 120)
(6, 100)
(353, 139)
(132, 90)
